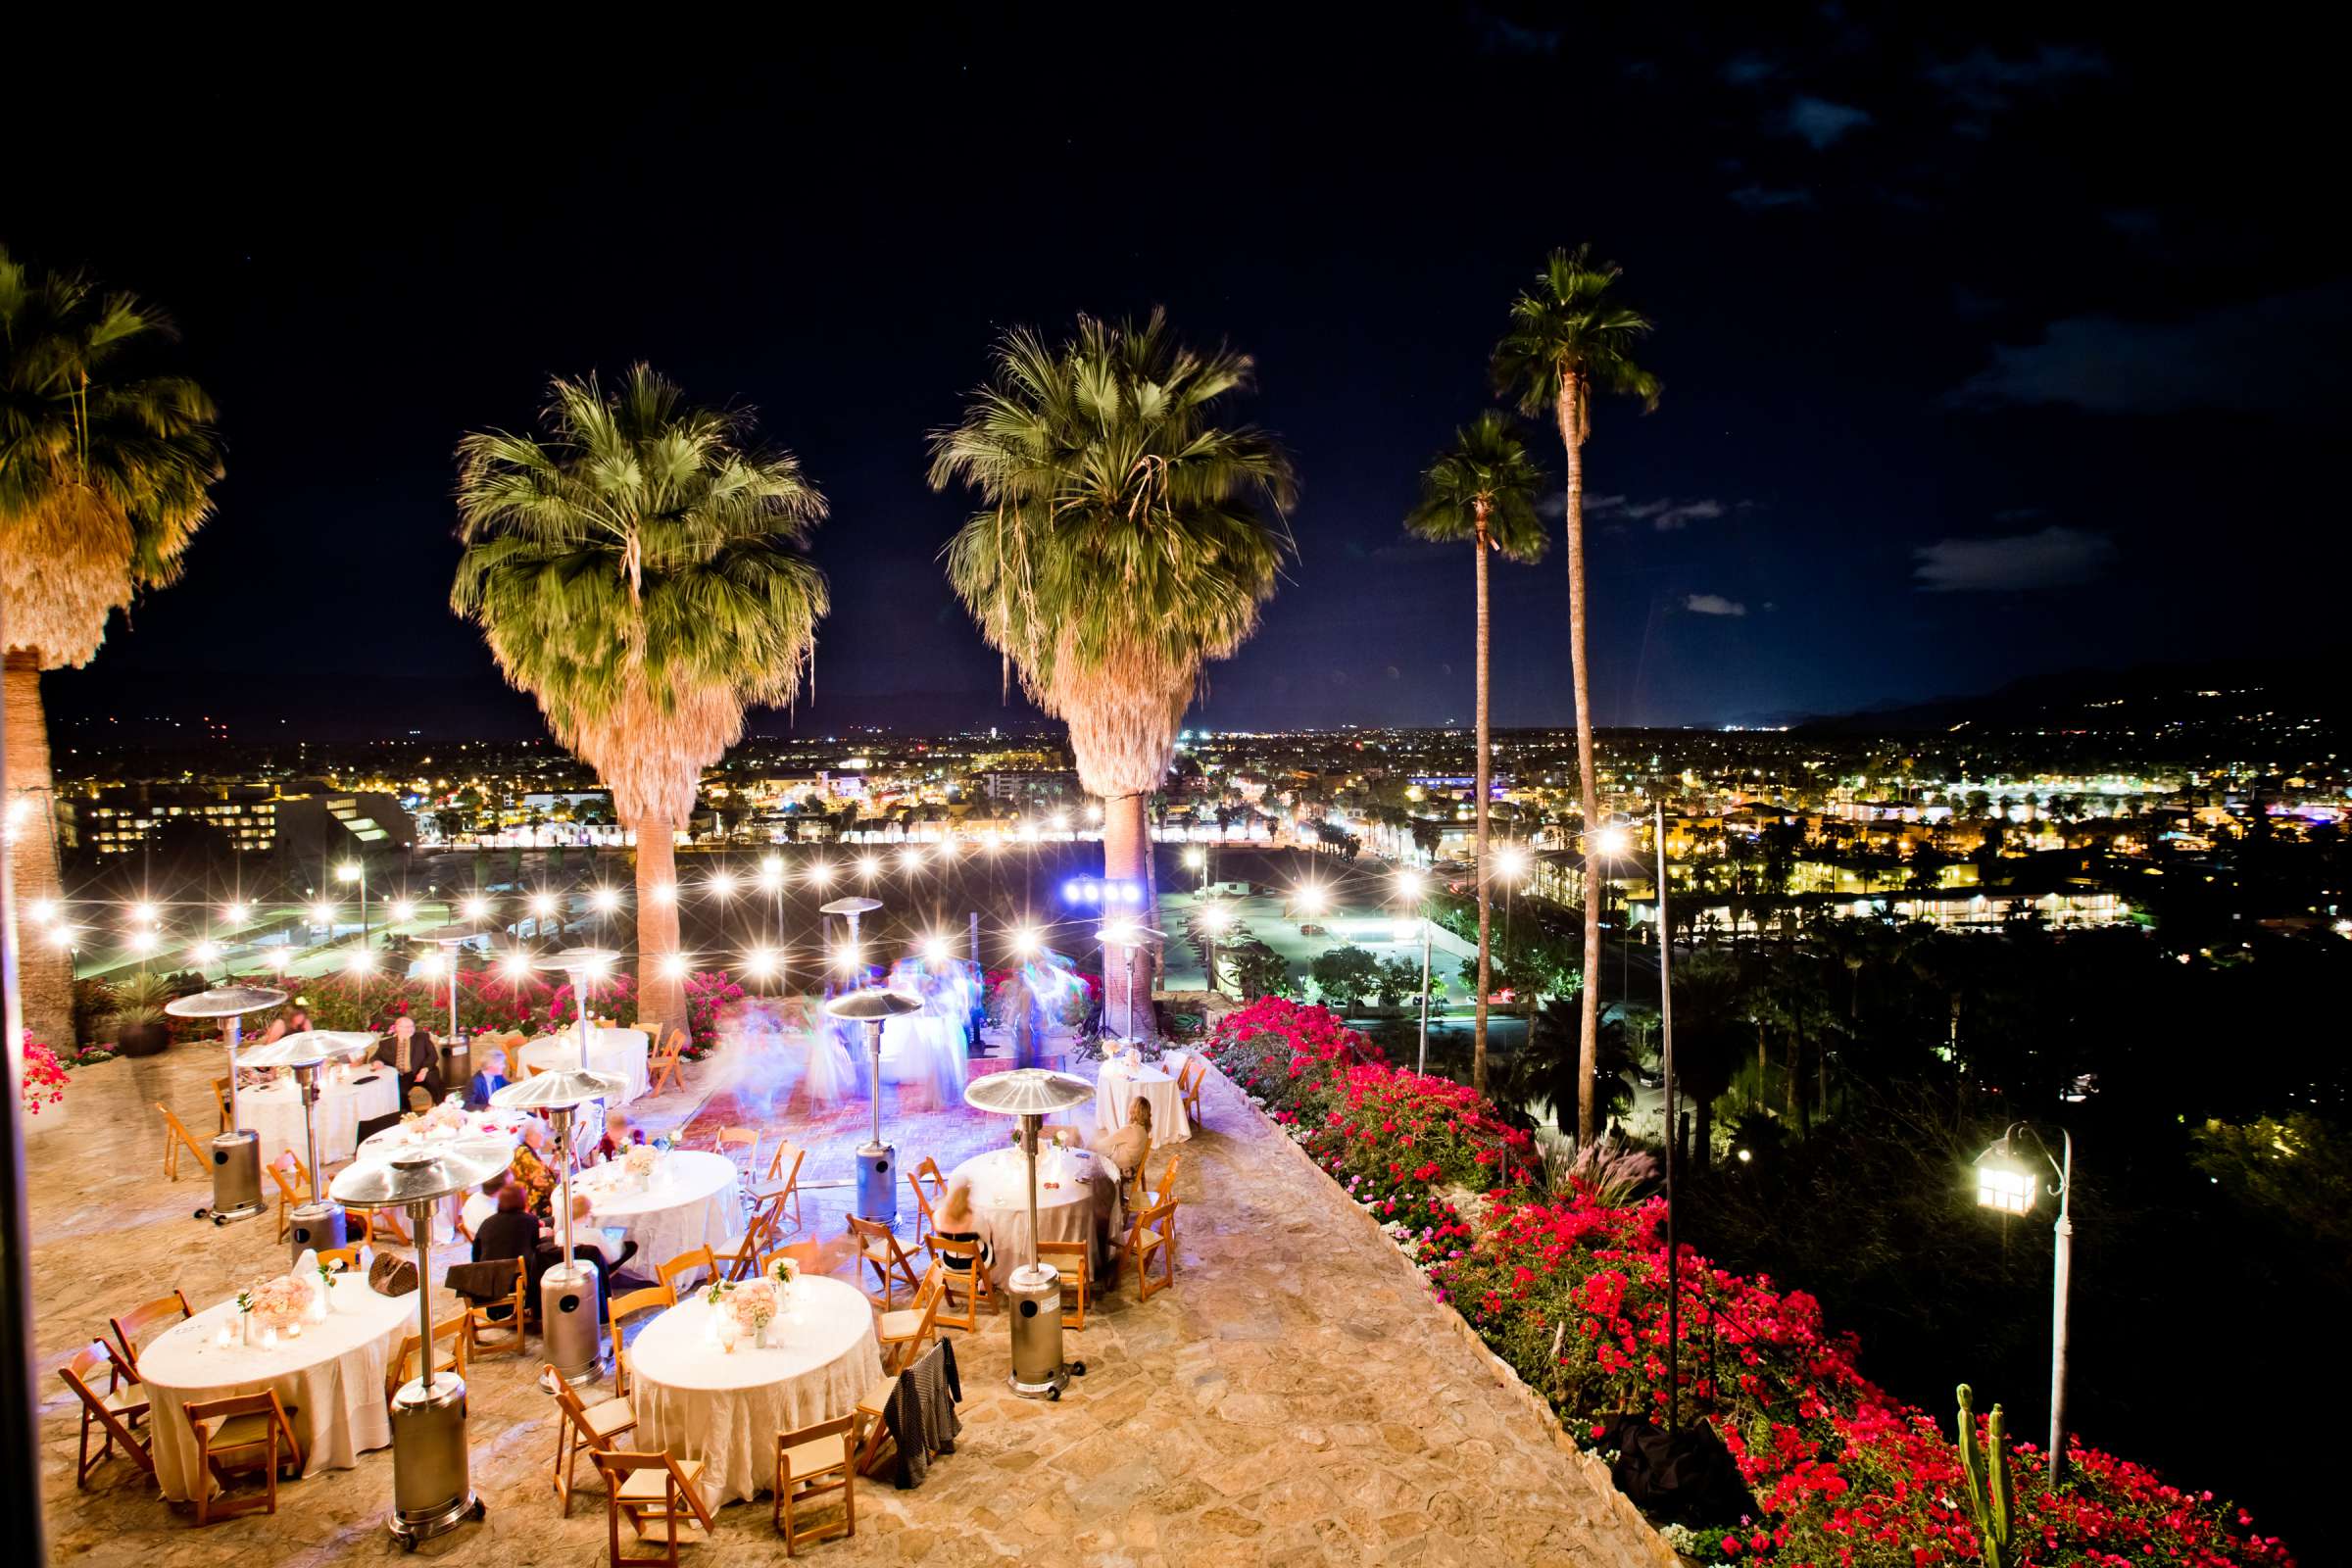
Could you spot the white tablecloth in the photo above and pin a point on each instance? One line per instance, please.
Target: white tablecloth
(1069, 1198)
(693, 1200)
(334, 1373)
(613, 1051)
(502, 1126)
(1117, 1086)
(725, 1407)
(273, 1112)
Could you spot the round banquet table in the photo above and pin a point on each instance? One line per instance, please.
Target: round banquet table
(725, 1407)
(276, 1113)
(1117, 1086)
(331, 1380)
(505, 1126)
(613, 1051)
(1069, 1199)
(694, 1200)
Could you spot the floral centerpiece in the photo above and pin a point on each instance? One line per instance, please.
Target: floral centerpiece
(444, 1120)
(783, 1271)
(754, 1306)
(638, 1163)
(276, 1306)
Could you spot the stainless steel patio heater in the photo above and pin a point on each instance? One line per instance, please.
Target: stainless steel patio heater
(877, 1162)
(432, 1481)
(1126, 938)
(571, 1312)
(316, 1222)
(1034, 1290)
(450, 938)
(236, 1152)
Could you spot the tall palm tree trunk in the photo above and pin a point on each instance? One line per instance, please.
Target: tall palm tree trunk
(1486, 902)
(1127, 860)
(661, 1000)
(1571, 410)
(44, 974)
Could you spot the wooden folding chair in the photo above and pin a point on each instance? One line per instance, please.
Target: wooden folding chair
(293, 1189)
(176, 1137)
(879, 1248)
(583, 1427)
(131, 1327)
(741, 1255)
(622, 1307)
(117, 1412)
(243, 1433)
(784, 1175)
(221, 1100)
(902, 1334)
(972, 1279)
(403, 1366)
(1074, 1262)
(925, 1221)
(1153, 1232)
(1166, 1187)
(486, 1335)
(667, 1060)
(1189, 1079)
(730, 1139)
(803, 1460)
(651, 1489)
(350, 1257)
(686, 1264)
(874, 1414)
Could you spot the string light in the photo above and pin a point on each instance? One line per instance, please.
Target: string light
(543, 905)
(1512, 864)
(142, 942)
(279, 957)
(323, 915)
(361, 961)
(1024, 941)
(515, 966)
(205, 951)
(1610, 841)
(404, 909)
(760, 963)
(935, 950)
(771, 874)
(820, 873)
(604, 901)
(722, 883)
(475, 908)
(1093, 811)
(42, 910)
(910, 859)
(61, 936)
(1310, 897)
(673, 966)
(142, 913)
(429, 967)
(237, 913)
(869, 867)
(664, 892)
(1408, 883)
(844, 957)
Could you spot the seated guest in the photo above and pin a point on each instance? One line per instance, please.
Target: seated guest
(1127, 1147)
(413, 1053)
(952, 1221)
(532, 1167)
(480, 1207)
(489, 1081)
(591, 1246)
(514, 1231)
(619, 1134)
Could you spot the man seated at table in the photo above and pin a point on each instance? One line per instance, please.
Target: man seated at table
(488, 1082)
(413, 1053)
(620, 1134)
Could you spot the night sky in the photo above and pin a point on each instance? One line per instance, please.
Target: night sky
(1989, 349)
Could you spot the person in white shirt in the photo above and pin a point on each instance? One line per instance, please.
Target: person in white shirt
(480, 1207)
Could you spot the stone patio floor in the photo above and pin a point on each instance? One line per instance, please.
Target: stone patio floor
(1297, 1400)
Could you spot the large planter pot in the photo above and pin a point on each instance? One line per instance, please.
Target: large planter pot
(143, 1039)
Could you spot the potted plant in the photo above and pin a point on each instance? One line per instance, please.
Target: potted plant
(140, 1027)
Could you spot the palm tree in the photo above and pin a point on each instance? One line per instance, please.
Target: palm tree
(637, 570)
(1483, 490)
(1122, 542)
(105, 473)
(1571, 337)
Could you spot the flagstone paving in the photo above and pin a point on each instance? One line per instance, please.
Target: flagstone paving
(1297, 1400)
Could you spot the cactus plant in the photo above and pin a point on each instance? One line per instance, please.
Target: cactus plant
(1990, 1501)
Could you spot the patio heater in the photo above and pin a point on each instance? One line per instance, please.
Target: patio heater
(316, 1223)
(236, 1152)
(572, 1312)
(432, 1481)
(1126, 937)
(1034, 1290)
(584, 965)
(877, 1162)
(450, 938)
(850, 909)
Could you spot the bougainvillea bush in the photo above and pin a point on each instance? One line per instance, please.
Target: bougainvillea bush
(1572, 1293)
(44, 1078)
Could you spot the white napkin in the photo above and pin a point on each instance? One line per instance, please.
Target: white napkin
(307, 1265)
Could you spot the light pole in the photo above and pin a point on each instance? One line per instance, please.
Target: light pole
(1215, 921)
(1411, 885)
(1195, 860)
(356, 872)
(2011, 1185)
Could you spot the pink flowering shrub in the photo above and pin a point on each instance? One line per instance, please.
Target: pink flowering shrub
(45, 1079)
(1571, 1292)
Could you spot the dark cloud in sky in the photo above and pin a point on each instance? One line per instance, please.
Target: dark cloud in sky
(1713, 605)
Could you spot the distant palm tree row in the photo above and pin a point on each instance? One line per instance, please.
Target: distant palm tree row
(639, 564)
